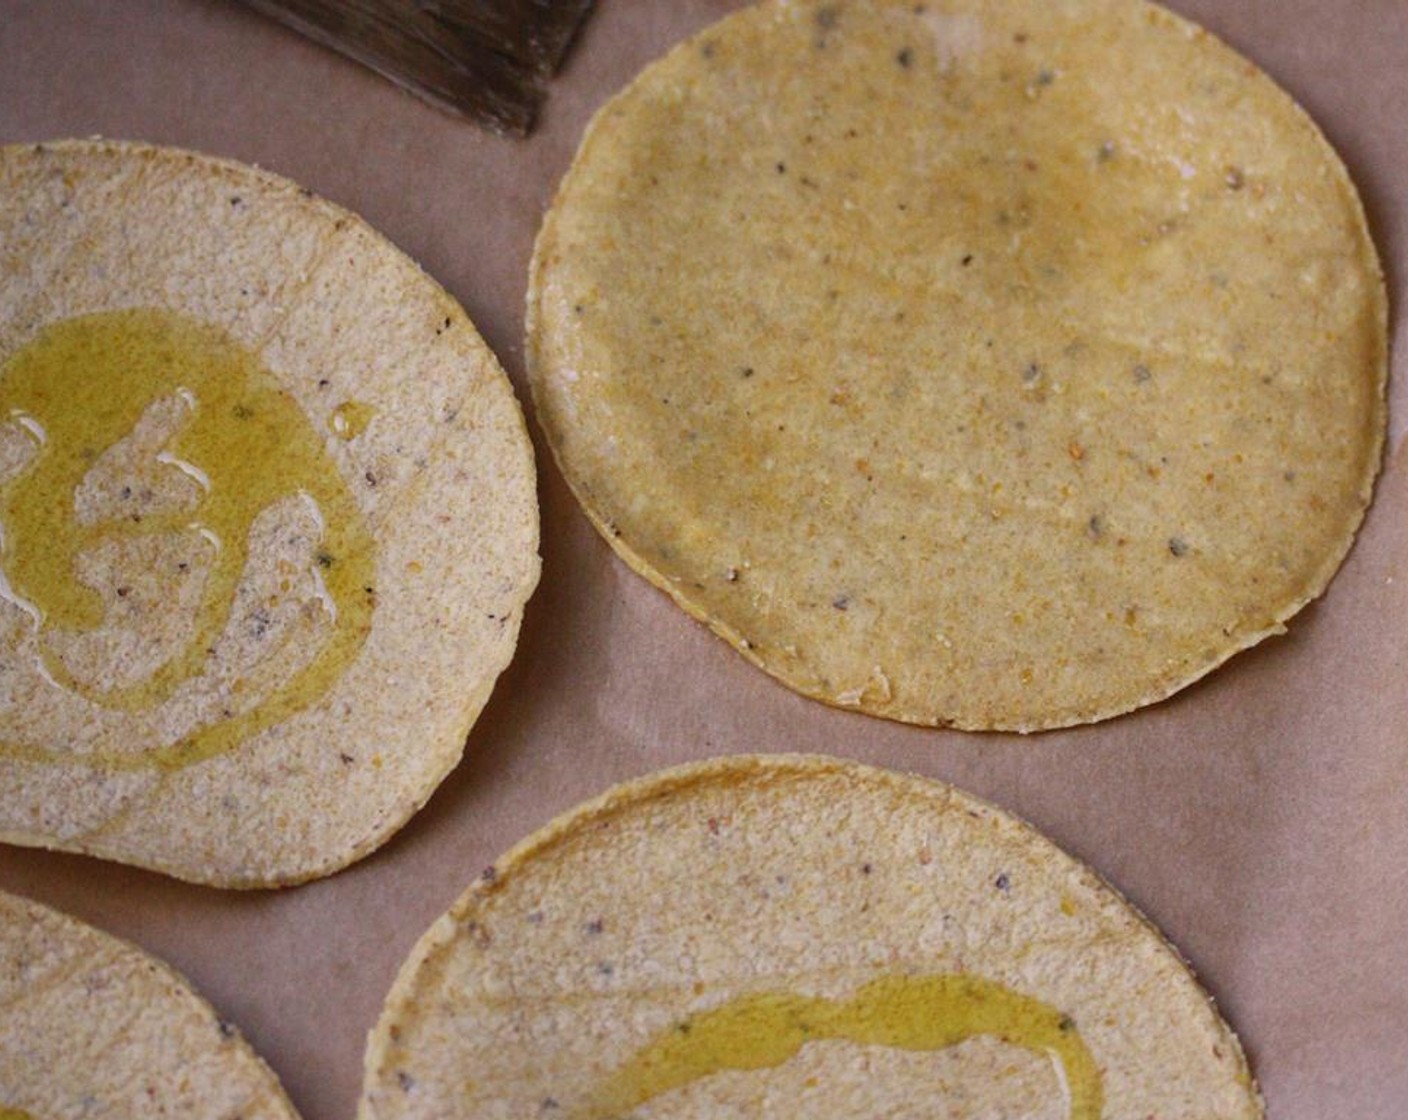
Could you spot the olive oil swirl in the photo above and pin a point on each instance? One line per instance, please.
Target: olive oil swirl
(764, 1030)
(83, 385)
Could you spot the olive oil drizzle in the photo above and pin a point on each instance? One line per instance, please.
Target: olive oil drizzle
(351, 418)
(926, 1013)
(244, 443)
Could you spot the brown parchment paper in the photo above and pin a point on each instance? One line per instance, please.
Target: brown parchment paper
(1260, 817)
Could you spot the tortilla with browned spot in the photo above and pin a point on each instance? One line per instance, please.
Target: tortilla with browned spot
(999, 364)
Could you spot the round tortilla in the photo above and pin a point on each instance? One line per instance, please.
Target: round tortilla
(794, 936)
(93, 1026)
(998, 364)
(269, 518)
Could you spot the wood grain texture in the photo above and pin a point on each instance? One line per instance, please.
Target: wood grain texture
(486, 61)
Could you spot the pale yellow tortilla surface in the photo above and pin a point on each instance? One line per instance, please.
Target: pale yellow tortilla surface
(93, 1026)
(981, 363)
(405, 414)
(637, 916)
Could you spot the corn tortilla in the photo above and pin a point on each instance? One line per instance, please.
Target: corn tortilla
(269, 518)
(796, 936)
(996, 364)
(93, 1026)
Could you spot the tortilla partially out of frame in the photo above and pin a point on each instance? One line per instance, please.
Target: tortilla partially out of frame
(793, 936)
(269, 518)
(997, 364)
(93, 1026)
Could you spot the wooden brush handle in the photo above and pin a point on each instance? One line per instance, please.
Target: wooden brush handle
(535, 33)
(484, 59)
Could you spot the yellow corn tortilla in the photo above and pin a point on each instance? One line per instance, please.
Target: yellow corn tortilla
(268, 511)
(796, 936)
(997, 364)
(93, 1026)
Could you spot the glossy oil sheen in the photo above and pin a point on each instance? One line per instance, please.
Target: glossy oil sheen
(924, 1013)
(81, 387)
(350, 419)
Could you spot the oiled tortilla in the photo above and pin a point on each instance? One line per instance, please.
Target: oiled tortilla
(795, 885)
(239, 771)
(999, 364)
(93, 1026)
